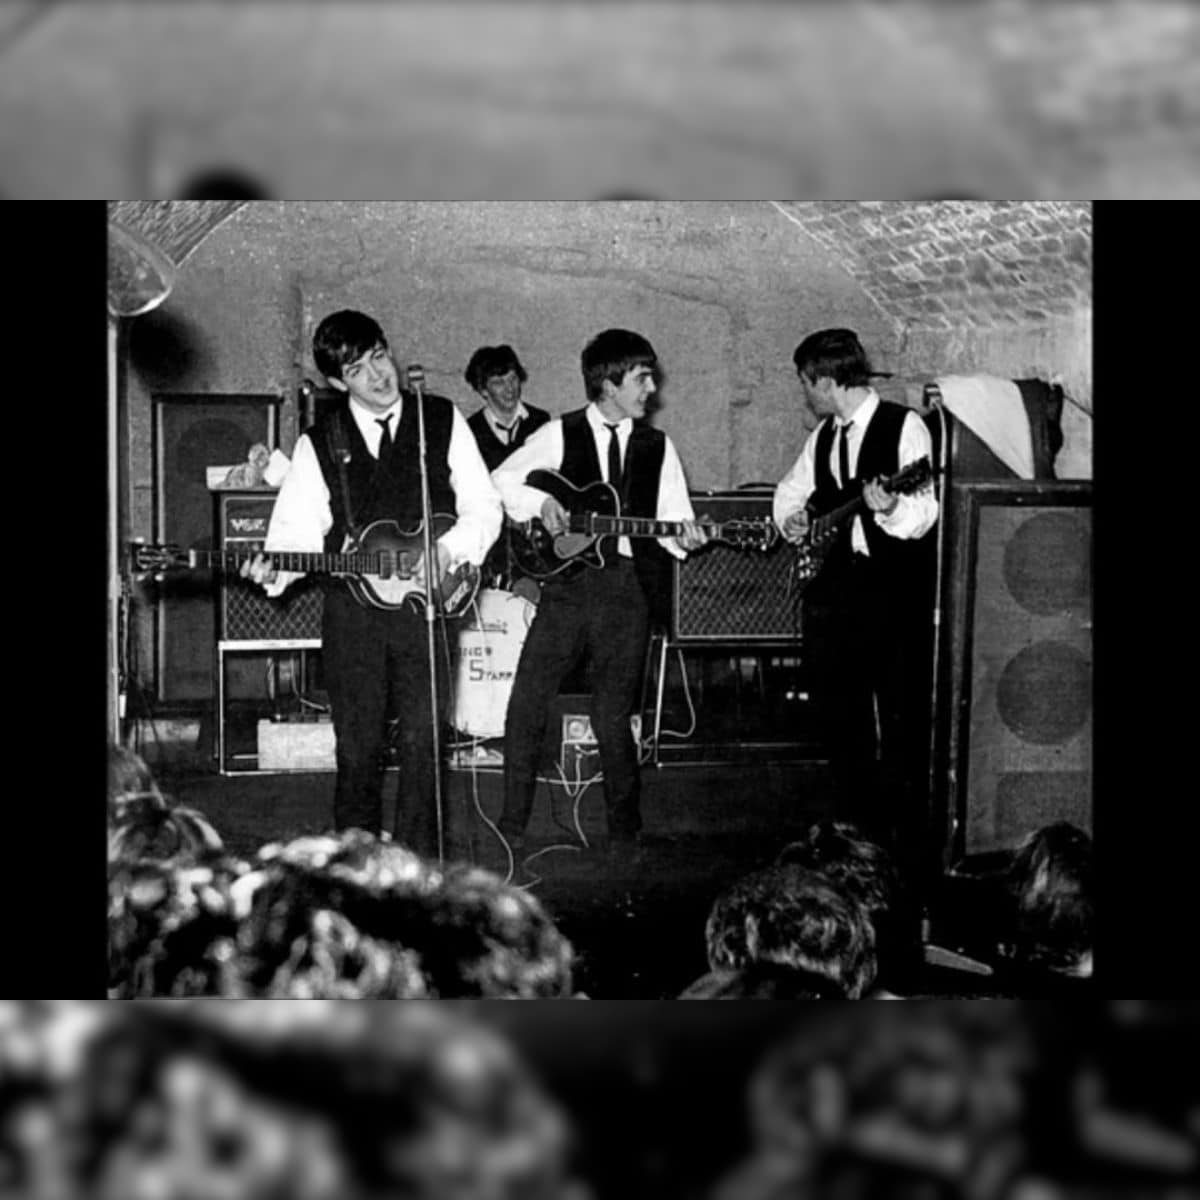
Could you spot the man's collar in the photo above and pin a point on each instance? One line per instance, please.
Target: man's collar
(598, 421)
(364, 416)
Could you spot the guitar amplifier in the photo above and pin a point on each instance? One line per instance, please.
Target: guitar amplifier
(245, 613)
(729, 595)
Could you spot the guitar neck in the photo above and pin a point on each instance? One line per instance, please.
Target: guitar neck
(900, 482)
(597, 525)
(306, 562)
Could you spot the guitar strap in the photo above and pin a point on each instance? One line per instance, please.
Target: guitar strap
(339, 450)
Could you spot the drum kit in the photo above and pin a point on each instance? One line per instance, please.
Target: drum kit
(490, 639)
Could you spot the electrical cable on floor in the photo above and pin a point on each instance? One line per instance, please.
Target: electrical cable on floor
(687, 694)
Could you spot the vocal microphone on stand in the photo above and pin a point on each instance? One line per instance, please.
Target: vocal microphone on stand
(416, 382)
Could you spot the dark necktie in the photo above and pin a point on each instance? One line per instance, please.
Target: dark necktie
(386, 440)
(614, 457)
(844, 453)
(509, 431)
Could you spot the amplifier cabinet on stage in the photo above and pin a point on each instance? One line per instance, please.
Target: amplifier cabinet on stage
(1015, 692)
(244, 611)
(724, 594)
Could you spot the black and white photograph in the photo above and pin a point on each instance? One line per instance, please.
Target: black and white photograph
(474, 1100)
(624, 599)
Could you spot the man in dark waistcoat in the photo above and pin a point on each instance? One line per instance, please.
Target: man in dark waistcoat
(603, 614)
(501, 426)
(867, 615)
(360, 463)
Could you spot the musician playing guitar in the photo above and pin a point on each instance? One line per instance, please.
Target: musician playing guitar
(358, 465)
(601, 612)
(867, 617)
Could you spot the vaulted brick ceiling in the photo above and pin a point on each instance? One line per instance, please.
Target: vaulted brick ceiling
(929, 265)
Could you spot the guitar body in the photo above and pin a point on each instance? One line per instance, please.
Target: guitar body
(383, 567)
(539, 553)
(399, 580)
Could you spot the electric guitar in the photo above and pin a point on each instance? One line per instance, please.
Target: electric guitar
(823, 528)
(594, 512)
(383, 566)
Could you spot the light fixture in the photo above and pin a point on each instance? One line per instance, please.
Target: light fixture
(140, 275)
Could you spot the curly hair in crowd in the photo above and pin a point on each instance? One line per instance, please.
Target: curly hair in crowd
(265, 1099)
(921, 1098)
(172, 928)
(858, 867)
(797, 919)
(354, 915)
(1051, 881)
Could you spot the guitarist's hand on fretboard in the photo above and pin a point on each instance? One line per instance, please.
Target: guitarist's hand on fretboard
(878, 499)
(692, 536)
(795, 526)
(259, 569)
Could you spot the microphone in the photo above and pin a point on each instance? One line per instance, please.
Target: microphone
(416, 377)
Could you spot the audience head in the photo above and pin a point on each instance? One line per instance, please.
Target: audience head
(763, 981)
(914, 1099)
(862, 869)
(793, 918)
(354, 915)
(129, 780)
(266, 1099)
(1051, 883)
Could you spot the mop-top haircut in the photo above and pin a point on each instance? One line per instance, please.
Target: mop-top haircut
(836, 354)
(609, 355)
(344, 337)
(489, 361)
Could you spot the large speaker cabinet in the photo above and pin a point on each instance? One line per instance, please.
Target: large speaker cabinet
(192, 433)
(256, 634)
(1013, 747)
(723, 594)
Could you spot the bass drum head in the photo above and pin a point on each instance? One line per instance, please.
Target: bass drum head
(490, 640)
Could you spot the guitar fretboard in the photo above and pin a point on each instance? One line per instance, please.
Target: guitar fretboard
(386, 564)
(597, 525)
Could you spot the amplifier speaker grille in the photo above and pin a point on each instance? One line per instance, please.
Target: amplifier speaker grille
(244, 612)
(726, 594)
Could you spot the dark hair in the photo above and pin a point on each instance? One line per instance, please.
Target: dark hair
(794, 918)
(490, 361)
(763, 981)
(1051, 882)
(354, 915)
(836, 353)
(609, 355)
(839, 852)
(342, 338)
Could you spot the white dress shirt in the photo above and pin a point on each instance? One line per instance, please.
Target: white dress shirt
(302, 515)
(504, 432)
(544, 451)
(913, 515)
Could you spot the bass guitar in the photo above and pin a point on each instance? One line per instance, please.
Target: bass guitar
(593, 513)
(383, 566)
(823, 528)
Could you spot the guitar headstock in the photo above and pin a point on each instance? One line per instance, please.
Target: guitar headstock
(750, 534)
(147, 558)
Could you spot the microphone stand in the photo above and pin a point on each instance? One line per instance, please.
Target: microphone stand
(416, 382)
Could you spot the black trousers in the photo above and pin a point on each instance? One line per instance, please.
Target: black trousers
(376, 667)
(601, 614)
(868, 652)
